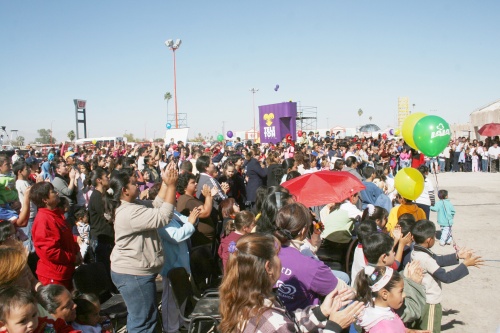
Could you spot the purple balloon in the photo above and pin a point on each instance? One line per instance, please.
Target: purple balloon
(229, 134)
(277, 87)
(391, 132)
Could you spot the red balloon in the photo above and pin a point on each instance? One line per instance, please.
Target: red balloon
(384, 136)
(299, 133)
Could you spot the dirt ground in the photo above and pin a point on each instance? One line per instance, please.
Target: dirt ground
(473, 304)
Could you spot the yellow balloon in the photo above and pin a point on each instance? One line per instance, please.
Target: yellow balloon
(408, 126)
(94, 141)
(397, 132)
(409, 182)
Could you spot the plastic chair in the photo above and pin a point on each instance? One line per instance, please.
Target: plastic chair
(350, 255)
(203, 313)
(93, 279)
(204, 268)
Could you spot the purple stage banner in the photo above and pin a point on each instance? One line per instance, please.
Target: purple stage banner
(276, 121)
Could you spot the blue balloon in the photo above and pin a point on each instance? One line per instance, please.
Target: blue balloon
(169, 125)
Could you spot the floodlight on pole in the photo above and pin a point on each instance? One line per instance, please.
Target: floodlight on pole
(253, 91)
(174, 46)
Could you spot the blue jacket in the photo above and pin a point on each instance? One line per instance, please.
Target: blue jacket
(257, 177)
(174, 237)
(445, 211)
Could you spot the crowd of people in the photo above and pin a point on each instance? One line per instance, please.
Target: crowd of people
(141, 211)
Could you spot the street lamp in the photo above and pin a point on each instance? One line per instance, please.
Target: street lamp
(253, 91)
(174, 46)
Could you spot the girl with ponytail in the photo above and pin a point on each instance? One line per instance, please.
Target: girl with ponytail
(381, 290)
(242, 224)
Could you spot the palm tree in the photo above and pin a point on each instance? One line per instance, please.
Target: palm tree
(167, 97)
(71, 135)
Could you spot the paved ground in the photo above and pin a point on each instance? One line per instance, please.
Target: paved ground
(473, 303)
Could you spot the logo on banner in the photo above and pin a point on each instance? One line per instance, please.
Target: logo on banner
(268, 117)
(269, 131)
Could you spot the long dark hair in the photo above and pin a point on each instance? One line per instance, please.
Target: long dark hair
(275, 198)
(364, 282)
(291, 220)
(112, 196)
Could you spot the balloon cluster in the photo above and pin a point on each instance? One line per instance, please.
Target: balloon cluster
(429, 134)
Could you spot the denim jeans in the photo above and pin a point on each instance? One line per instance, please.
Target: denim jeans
(445, 236)
(139, 294)
(442, 163)
(484, 165)
(27, 230)
(456, 156)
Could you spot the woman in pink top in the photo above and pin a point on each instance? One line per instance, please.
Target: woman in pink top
(404, 158)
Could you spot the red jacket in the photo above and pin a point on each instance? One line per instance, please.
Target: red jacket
(54, 245)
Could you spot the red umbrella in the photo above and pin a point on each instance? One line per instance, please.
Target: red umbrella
(490, 129)
(323, 187)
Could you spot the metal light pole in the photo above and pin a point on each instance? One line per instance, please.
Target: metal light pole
(253, 91)
(174, 46)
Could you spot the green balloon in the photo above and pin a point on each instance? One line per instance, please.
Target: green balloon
(220, 137)
(431, 135)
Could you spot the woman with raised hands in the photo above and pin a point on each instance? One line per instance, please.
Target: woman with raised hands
(137, 257)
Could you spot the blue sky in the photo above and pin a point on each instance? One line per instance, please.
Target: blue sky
(338, 56)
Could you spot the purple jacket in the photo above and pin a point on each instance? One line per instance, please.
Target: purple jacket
(303, 279)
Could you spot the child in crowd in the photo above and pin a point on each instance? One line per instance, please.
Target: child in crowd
(382, 290)
(378, 251)
(18, 311)
(363, 230)
(175, 238)
(242, 224)
(406, 222)
(88, 319)
(22, 171)
(19, 314)
(83, 228)
(475, 161)
(377, 214)
(446, 212)
(432, 264)
(9, 199)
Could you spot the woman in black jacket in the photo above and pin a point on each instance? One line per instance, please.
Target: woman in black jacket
(102, 234)
(256, 176)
